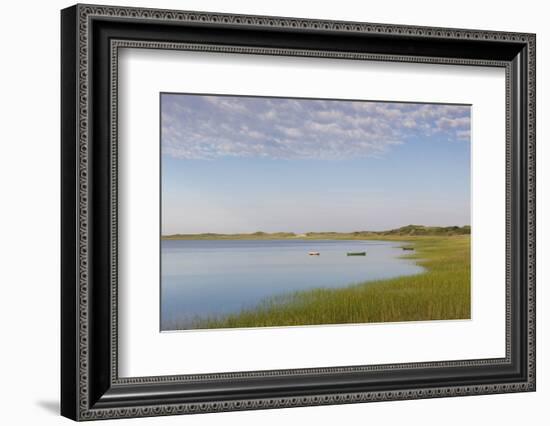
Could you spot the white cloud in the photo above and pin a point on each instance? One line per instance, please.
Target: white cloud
(463, 135)
(203, 127)
(452, 123)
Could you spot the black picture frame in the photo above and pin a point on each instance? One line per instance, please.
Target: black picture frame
(90, 386)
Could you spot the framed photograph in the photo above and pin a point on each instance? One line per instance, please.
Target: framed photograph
(263, 212)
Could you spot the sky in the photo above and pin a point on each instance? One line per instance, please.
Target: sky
(233, 164)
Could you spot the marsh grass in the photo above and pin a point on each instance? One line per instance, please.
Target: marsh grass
(442, 292)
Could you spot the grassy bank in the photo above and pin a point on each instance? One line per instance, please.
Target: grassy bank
(441, 292)
(409, 230)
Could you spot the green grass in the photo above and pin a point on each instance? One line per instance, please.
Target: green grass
(442, 292)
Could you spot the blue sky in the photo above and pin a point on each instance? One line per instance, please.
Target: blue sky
(245, 164)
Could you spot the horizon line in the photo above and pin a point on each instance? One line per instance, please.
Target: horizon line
(317, 232)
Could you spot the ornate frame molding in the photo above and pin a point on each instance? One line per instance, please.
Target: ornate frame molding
(80, 19)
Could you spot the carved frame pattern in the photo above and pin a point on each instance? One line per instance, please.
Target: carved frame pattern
(85, 13)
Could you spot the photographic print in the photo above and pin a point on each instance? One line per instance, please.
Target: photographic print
(305, 188)
(281, 212)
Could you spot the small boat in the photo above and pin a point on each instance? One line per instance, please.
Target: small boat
(407, 248)
(356, 253)
(314, 253)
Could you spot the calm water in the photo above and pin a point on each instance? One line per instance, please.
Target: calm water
(210, 278)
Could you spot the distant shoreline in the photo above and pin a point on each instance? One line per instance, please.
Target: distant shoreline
(409, 230)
